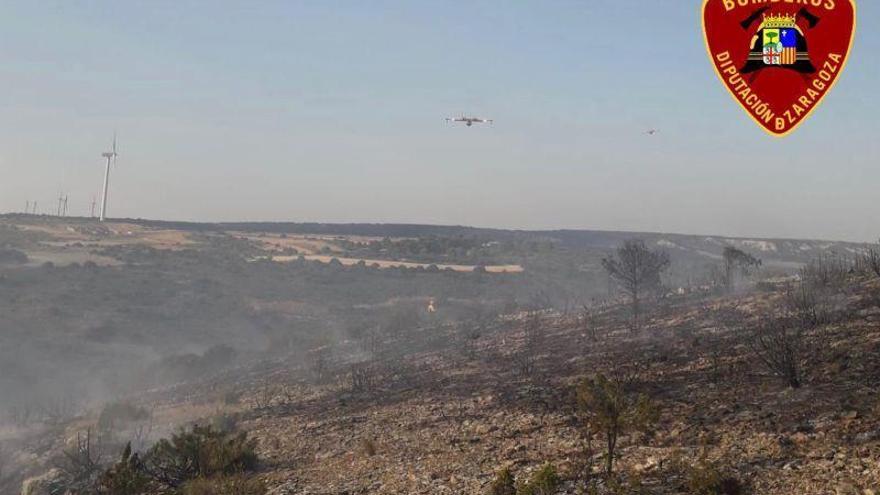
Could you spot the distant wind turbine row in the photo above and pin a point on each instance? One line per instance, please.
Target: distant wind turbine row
(30, 207)
(112, 155)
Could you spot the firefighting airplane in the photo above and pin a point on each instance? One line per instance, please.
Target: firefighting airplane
(469, 121)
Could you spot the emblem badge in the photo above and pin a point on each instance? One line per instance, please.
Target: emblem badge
(779, 58)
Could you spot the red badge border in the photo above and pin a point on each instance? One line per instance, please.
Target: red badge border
(812, 108)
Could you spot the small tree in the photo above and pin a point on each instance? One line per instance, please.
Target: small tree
(737, 263)
(610, 411)
(637, 269)
(526, 357)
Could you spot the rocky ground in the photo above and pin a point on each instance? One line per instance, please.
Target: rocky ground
(449, 419)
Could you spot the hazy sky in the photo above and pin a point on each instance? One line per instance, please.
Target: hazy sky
(333, 111)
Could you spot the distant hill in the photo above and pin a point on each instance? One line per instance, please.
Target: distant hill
(709, 247)
(692, 248)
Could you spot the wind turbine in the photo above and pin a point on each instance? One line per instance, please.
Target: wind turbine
(110, 156)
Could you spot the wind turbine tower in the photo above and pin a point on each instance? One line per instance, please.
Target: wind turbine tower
(111, 158)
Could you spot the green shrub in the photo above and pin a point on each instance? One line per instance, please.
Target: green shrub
(503, 484)
(543, 482)
(126, 477)
(706, 478)
(200, 461)
(225, 485)
(201, 453)
(610, 412)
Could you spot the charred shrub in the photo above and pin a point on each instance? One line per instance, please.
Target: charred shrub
(118, 413)
(402, 319)
(81, 465)
(808, 305)
(468, 335)
(526, 358)
(362, 377)
(827, 271)
(872, 259)
(588, 324)
(368, 447)
(12, 256)
(320, 364)
(230, 397)
(779, 343)
(265, 393)
(182, 367)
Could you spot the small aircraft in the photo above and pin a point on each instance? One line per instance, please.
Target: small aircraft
(469, 121)
(651, 132)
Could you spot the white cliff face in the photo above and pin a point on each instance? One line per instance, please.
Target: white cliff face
(668, 244)
(765, 246)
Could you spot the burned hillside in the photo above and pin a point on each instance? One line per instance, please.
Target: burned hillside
(753, 381)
